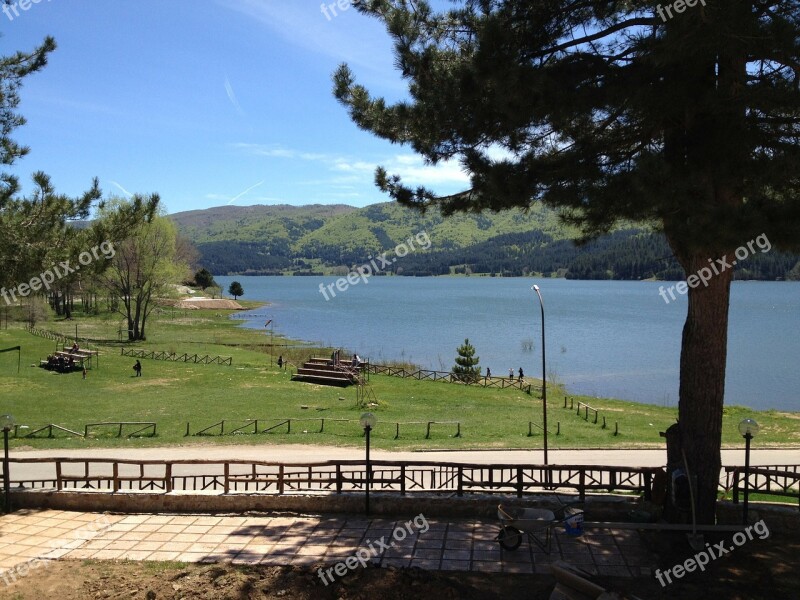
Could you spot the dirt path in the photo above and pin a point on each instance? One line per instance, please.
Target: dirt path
(302, 453)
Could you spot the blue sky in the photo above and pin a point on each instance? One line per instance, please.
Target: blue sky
(207, 102)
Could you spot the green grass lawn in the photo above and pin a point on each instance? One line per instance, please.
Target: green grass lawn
(172, 394)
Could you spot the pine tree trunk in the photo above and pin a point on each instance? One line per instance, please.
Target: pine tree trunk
(702, 379)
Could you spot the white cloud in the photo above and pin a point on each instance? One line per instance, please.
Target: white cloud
(342, 39)
(446, 177)
(232, 96)
(413, 170)
(275, 151)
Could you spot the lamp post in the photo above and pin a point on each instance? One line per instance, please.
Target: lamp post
(368, 421)
(6, 422)
(748, 428)
(535, 288)
(271, 325)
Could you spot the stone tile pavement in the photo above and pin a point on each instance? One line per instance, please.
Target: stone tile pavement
(433, 544)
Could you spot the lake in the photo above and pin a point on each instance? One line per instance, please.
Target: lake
(604, 338)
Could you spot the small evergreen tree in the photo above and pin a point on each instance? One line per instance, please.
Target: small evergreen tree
(466, 368)
(235, 289)
(204, 279)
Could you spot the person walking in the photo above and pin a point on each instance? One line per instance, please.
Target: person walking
(138, 368)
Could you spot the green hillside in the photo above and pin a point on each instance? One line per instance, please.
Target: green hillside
(324, 239)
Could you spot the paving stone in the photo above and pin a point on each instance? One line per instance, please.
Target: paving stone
(427, 564)
(517, 568)
(455, 565)
(613, 571)
(456, 555)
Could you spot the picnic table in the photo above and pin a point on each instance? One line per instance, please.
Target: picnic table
(77, 357)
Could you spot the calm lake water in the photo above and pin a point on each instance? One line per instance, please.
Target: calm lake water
(604, 338)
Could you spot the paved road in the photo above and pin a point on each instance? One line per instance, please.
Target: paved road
(296, 453)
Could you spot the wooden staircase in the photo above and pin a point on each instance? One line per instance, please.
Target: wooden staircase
(322, 372)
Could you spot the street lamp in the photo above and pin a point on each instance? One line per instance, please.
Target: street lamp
(368, 421)
(535, 288)
(6, 422)
(748, 428)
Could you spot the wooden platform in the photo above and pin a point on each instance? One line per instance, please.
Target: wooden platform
(321, 371)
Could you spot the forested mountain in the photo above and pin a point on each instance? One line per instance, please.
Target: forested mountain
(314, 239)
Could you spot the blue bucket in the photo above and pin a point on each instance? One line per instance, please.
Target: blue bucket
(573, 521)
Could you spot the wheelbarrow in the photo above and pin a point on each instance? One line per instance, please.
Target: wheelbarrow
(537, 524)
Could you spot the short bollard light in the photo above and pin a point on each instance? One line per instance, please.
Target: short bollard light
(368, 422)
(748, 428)
(7, 423)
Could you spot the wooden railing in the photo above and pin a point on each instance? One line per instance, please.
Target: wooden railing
(420, 374)
(773, 480)
(110, 475)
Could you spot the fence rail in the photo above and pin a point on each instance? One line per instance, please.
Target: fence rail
(425, 374)
(773, 480)
(112, 475)
(142, 425)
(46, 333)
(175, 357)
(251, 426)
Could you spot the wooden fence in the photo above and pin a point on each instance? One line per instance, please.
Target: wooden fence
(252, 426)
(421, 374)
(112, 475)
(45, 333)
(175, 357)
(773, 480)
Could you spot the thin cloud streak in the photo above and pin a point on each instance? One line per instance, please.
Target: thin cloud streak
(232, 96)
(248, 190)
(124, 191)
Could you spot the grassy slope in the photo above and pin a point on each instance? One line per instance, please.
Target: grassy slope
(173, 393)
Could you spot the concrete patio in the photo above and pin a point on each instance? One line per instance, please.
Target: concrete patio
(30, 537)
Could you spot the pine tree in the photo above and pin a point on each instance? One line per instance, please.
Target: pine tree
(466, 368)
(204, 279)
(612, 111)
